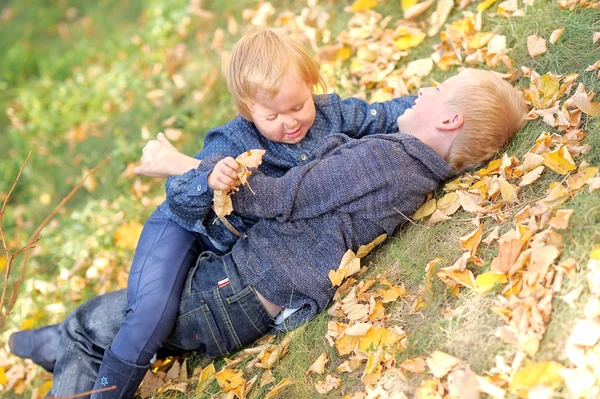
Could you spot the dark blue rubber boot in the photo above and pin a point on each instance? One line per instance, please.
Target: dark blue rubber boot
(39, 345)
(124, 376)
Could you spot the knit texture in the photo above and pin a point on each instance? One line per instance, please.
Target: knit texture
(352, 192)
(189, 198)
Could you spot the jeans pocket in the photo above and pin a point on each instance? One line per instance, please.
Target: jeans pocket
(245, 305)
(197, 331)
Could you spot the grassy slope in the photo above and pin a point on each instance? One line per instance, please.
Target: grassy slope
(56, 83)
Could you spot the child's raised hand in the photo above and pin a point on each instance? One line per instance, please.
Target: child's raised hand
(224, 175)
(161, 159)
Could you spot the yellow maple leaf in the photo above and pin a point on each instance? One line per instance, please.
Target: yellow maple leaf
(471, 241)
(410, 40)
(560, 161)
(318, 367)
(128, 234)
(363, 5)
(364, 250)
(542, 373)
(416, 365)
(407, 3)
(536, 45)
(441, 363)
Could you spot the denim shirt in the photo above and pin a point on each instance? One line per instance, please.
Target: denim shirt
(189, 198)
(352, 192)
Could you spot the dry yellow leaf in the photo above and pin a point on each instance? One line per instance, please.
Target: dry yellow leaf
(421, 67)
(471, 241)
(318, 367)
(363, 5)
(42, 390)
(425, 210)
(560, 161)
(480, 39)
(2, 263)
(331, 382)
(487, 281)
(508, 253)
(278, 388)
(492, 167)
(583, 102)
(127, 235)
(3, 379)
(441, 363)
(410, 40)
(543, 373)
(556, 34)
(579, 381)
(462, 277)
(229, 379)
(206, 377)
(448, 204)
(407, 3)
(484, 5)
(364, 250)
(536, 45)
(222, 203)
(346, 344)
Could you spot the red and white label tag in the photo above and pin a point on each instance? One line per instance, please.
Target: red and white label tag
(223, 282)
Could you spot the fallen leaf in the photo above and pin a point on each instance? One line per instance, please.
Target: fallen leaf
(471, 241)
(441, 363)
(127, 235)
(229, 379)
(439, 16)
(417, 9)
(556, 34)
(331, 382)
(3, 379)
(560, 161)
(363, 5)
(318, 367)
(364, 250)
(278, 388)
(425, 210)
(561, 220)
(531, 176)
(206, 376)
(536, 45)
(487, 281)
(416, 365)
(543, 373)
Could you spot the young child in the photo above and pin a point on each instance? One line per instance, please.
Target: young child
(271, 79)
(350, 193)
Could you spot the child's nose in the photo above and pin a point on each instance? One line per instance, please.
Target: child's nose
(289, 121)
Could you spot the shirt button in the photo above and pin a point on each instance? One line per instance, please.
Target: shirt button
(303, 157)
(373, 112)
(199, 188)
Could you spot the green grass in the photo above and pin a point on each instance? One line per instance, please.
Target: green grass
(91, 64)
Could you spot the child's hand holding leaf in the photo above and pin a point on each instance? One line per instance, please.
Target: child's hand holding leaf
(228, 174)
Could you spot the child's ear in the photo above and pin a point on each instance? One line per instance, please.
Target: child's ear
(452, 122)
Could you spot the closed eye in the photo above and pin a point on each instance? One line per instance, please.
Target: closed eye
(271, 117)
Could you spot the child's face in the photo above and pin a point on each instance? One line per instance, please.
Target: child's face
(286, 117)
(429, 107)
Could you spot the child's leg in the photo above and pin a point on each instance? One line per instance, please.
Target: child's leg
(162, 259)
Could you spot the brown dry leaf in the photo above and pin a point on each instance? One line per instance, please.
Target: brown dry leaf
(416, 365)
(441, 363)
(349, 265)
(582, 101)
(425, 210)
(278, 388)
(508, 191)
(462, 277)
(421, 67)
(471, 241)
(536, 45)
(508, 253)
(206, 377)
(556, 35)
(543, 373)
(222, 203)
(318, 367)
(561, 220)
(127, 235)
(331, 382)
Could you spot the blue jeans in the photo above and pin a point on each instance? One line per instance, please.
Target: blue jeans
(218, 313)
(163, 257)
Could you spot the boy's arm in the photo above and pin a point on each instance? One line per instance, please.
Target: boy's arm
(362, 177)
(360, 118)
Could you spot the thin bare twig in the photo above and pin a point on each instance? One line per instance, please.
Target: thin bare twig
(88, 393)
(34, 238)
(8, 261)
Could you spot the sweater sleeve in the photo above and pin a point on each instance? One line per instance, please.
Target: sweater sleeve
(360, 118)
(361, 176)
(188, 195)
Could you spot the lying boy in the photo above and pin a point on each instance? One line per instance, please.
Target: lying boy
(352, 192)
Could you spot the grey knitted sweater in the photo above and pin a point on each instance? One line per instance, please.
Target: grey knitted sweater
(352, 192)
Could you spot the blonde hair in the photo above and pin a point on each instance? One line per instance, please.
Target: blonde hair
(493, 112)
(260, 61)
